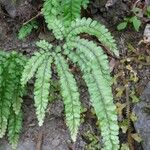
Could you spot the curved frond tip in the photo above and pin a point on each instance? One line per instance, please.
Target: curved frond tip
(93, 28)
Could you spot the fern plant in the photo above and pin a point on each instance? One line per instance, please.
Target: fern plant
(63, 18)
(11, 91)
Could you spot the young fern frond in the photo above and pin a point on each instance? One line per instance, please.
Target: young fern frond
(93, 28)
(70, 96)
(41, 89)
(14, 128)
(101, 98)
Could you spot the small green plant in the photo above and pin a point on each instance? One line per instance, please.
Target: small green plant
(64, 19)
(133, 20)
(11, 92)
(27, 29)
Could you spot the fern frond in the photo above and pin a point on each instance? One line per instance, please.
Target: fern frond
(71, 10)
(32, 66)
(6, 94)
(27, 29)
(18, 92)
(70, 95)
(101, 98)
(14, 128)
(10, 79)
(93, 28)
(51, 9)
(41, 89)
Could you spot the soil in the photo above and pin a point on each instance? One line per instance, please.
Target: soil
(54, 134)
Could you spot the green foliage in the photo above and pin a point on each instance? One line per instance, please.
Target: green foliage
(65, 10)
(14, 128)
(27, 29)
(42, 87)
(122, 25)
(70, 95)
(132, 20)
(63, 18)
(11, 91)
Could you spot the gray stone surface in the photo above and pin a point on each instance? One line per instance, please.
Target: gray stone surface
(142, 125)
(10, 6)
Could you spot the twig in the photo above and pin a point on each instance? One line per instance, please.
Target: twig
(40, 13)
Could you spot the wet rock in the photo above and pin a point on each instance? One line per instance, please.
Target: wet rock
(142, 125)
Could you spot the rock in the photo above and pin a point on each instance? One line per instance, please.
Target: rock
(27, 145)
(10, 7)
(142, 111)
(3, 30)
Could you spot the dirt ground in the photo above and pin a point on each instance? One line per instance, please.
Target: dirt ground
(53, 135)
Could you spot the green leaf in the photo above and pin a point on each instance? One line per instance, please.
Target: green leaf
(136, 23)
(122, 25)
